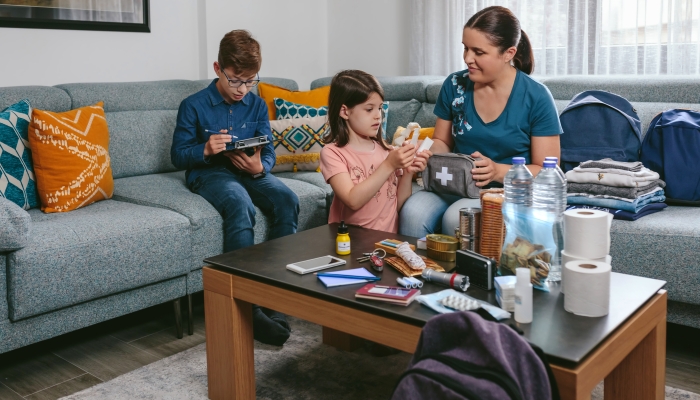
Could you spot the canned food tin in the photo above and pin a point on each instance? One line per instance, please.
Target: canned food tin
(470, 221)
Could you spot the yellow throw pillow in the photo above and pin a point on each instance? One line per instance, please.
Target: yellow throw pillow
(423, 133)
(314, 98)
(71, 157)
(298, 143)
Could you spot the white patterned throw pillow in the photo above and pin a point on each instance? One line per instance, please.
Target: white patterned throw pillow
(298, 143)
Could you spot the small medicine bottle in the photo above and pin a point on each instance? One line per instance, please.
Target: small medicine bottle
(523, 296)
(342, 242)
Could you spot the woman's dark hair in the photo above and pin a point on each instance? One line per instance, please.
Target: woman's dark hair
(350, 88)
(502, 28)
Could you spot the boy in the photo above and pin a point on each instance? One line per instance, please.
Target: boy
(232, 181)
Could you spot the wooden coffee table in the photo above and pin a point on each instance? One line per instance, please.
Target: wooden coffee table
(627, 348)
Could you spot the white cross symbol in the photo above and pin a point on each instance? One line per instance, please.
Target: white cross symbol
(443, 176)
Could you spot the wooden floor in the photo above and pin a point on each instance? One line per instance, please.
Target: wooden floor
(78, 360)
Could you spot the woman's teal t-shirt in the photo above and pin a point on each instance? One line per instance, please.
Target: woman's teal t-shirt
(530, 111)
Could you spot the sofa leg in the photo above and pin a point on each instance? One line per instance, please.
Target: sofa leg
(178, 318)
(190, 316)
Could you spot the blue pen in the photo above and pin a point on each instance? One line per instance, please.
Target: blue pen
(331, 275)
(219, 133)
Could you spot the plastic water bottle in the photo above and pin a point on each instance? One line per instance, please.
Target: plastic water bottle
(563, 177)
(517, 183)
(549, 193)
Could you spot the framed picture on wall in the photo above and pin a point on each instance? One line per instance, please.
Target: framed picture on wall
(92, 15)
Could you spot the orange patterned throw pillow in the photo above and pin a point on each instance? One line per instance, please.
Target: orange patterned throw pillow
(71, 157)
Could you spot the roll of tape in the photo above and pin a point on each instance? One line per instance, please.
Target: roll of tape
(587, 288)
(566, 257)
(441, 242)
(587, 233)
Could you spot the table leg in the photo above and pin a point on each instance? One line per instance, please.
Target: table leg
(642, 374)
(229, 343)
(341, 340)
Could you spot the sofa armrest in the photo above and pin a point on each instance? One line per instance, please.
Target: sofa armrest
(15, 226)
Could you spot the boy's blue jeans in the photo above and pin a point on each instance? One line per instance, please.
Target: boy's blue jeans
(234, 195)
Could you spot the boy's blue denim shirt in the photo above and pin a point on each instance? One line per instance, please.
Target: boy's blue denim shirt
(207, 109)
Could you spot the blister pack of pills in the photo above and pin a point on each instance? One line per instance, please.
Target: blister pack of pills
(459, 303)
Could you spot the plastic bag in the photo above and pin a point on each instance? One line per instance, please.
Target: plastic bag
(529, 242)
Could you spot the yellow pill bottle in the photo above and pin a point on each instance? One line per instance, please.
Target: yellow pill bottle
(342, 242)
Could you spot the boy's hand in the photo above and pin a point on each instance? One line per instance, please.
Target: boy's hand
(250, 164)
(217, 143)
(420, 162)
(402, 157)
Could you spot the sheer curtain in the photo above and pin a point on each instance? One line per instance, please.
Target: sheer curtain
(601, 37)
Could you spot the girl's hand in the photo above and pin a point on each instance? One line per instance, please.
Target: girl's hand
(485, 170)
(401, 157)
(420, 162)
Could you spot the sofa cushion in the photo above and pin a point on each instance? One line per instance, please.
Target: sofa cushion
(313, 178)
(432, 91)
(15, 226)
(673, 89)
(132, 96)
(140, 142)
(396, 88)
(400, 113)
(103, 249)
(662, 246)
(3, 286)
(41, 97)
(425, 117)
(168, 191)
(314, 98)
(298, 143)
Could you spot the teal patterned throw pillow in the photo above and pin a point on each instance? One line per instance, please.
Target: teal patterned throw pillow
(287, 110)
(17, 182)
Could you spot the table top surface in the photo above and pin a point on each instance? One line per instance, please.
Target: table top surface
(565, 337)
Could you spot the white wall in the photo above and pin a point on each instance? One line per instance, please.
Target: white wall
(301, 40)
(292, 35)
(371, 35)
(50, 57)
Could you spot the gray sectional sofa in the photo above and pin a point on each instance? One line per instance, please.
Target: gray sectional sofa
(146, 245)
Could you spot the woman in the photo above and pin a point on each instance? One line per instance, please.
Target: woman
(493, 111)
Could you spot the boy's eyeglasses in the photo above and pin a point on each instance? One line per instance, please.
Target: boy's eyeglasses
(235, 83)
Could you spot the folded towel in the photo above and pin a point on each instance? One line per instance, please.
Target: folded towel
(610, 163)
(614, 191)
(634, 206)
(625, 215)
(611, 177)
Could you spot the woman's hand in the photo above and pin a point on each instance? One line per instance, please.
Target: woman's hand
(486, 170)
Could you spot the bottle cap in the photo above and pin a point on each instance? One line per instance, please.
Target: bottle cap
(523, 276)
(550, 164)
(518, 160)
(342, 228)
(555, 159)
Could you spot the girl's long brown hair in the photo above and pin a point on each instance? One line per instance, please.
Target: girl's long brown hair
(350, 88)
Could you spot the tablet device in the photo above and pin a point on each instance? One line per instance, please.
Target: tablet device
(315, 264)
(247, 145)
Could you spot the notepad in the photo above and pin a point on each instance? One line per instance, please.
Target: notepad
(331, 281)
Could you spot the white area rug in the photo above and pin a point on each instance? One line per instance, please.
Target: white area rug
(303, 369)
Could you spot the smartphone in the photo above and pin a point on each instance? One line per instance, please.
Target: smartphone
(315, 264)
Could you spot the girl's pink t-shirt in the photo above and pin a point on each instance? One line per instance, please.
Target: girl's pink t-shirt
(380, 212)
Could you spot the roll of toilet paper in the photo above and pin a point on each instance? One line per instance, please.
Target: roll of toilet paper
(587, 288)
(587, 233)
(566, 257)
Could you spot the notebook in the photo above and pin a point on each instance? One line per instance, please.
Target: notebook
(330, 281)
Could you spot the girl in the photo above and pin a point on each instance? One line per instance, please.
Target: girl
(371, 180)
(493, 110)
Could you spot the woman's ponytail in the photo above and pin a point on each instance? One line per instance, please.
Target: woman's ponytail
(524, 60)
(502, 28)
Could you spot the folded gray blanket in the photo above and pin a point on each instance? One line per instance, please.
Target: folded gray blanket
(634, 166)
(623, 192)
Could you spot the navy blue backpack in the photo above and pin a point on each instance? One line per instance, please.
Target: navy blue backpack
(597, 125)
(672, 148)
